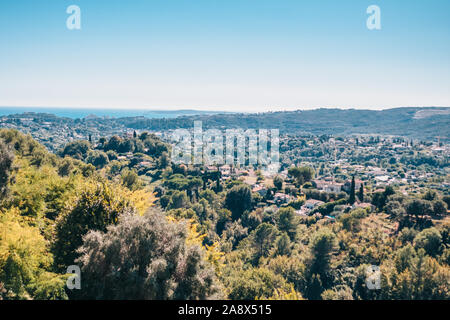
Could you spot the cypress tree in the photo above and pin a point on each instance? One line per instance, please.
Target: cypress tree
(361, 193)
(352, 199)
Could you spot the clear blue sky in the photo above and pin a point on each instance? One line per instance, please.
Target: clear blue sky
(234, 55)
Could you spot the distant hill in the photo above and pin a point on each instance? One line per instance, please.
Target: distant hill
(79, 113)
(419, 123)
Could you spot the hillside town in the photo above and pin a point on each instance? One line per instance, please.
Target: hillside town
(374, 161)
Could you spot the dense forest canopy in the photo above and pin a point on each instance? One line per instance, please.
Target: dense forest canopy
(149, 229)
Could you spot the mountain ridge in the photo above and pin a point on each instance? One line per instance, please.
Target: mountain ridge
(434, 121)
(426, 123)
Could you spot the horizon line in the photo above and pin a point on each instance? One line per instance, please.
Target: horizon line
(219, 110)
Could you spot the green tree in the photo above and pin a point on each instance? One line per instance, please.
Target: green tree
(278, 182)
(130, 179)
(417, 209)
(263, 238)
(430, 240)
(322, 245)
(404, 258)
(379, 199)
(113, 144)
(66, 167)
(430, 195)
(94, 210)
(224, 217)
(146, 258)
(255, 283)
(283, 245)
(287, 221)
(416, 276)
(76, 149)
(125, 146)
(352, 197)
(439, 208)
(179, 199)
(99, 159)
(446, 199)
(301, 174)
(297, 203)
(163, 160)
(112, 155)
(238, 200)
(388, 191)
(314, 287)
(352, 221)
(361, 192)
(87, 170)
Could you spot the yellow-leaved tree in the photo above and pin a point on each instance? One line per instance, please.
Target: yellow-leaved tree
(25, 261)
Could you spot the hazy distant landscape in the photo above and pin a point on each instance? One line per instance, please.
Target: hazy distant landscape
(78, 113)
(419, 123)
(55, 127)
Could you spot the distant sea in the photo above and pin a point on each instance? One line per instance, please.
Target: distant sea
(111, 113)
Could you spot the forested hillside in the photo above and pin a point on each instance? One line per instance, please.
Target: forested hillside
(140, 227)
(51, 208)
(419, 123)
